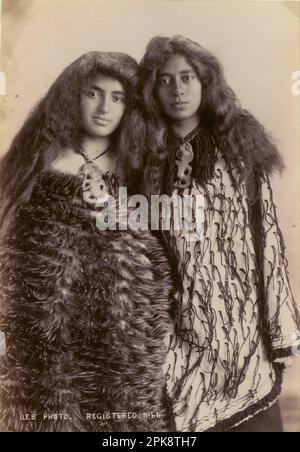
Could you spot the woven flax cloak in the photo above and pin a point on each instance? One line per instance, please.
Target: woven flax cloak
(235, 315)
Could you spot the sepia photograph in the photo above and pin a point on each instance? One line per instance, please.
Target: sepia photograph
(149, 216)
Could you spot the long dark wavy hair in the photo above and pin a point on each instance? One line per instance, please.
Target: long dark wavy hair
(55, 124)
(241, 137)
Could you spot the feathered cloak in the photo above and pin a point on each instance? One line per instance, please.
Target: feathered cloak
(84, 315)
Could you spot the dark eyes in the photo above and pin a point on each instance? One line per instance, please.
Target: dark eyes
(187, 78)
(91, 93)
(118, 99)
(94, 94)
(164, 81)
(167, 81)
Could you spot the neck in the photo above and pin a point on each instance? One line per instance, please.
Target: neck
(184, 127)
(94, 146)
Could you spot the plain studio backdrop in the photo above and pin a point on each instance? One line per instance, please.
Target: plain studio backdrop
(258, 43)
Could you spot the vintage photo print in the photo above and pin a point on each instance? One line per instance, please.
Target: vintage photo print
(149, 216)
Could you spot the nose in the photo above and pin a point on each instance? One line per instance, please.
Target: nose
(178, 87)
(103, 105)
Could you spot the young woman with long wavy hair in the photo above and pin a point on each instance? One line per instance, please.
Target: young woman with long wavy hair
(234, 314)
(83, 311)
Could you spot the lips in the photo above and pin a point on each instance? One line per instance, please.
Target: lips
(101, 121)
(179, 104)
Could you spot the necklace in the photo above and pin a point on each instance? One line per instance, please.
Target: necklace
(96, 185)
(87, 158)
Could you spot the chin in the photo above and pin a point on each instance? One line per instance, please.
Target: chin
(102, 133)
(181, 117)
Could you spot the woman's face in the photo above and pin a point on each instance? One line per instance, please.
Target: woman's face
(178, 89)
(102, 105)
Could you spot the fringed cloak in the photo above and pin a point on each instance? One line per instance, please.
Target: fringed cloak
(235, 316)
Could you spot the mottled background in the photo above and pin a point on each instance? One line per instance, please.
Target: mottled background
(257, 41)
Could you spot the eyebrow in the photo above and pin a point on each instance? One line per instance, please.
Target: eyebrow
(97, 88)
(186, 71)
